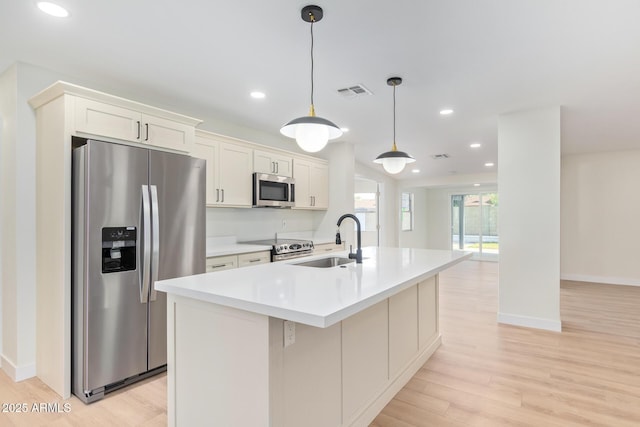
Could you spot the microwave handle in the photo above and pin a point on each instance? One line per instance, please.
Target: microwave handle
(293, 193)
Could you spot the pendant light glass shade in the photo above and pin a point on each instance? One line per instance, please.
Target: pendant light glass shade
(311, 132)
(394, 161)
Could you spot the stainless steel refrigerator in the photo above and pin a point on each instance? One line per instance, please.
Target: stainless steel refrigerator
(138, 216)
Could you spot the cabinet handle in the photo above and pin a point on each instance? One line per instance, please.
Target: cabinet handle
(217, 194)
(273, 167)
(217, 266)
(222, 191)
(254, 260)
(277, 167)
(138, 122)
(146, 125)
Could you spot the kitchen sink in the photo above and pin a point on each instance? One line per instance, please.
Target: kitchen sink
(326, 262)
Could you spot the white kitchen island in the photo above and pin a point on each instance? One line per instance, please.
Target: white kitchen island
(287, 345)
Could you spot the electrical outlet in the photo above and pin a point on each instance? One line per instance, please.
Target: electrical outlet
(284, 224)
(289, 333)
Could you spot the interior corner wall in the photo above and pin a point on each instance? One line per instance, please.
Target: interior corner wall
(529, 217)
(600, 219)
(18, 83)
(341, 159)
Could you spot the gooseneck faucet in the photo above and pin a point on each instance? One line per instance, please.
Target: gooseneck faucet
(358, 254)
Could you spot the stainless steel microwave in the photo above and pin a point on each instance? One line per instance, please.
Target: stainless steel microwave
(273, 191)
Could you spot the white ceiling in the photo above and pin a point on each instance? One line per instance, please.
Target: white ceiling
(481, 58)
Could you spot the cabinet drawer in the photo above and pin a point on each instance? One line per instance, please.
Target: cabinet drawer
(221, 263)
(254, 258)
(327, 247)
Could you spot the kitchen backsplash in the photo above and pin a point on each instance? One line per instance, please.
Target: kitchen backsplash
(260, 223)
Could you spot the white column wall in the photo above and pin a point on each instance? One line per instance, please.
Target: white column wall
(529, 218)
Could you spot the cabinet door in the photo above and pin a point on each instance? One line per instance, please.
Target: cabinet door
(263, 162)
(167, 133)
(427, 311)
(236, 168)
(403, 329)
(320, 186)
(102, 119)
(208, 150)
(302, 175)
(365, 358)
(283, 165)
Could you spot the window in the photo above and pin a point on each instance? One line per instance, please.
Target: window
(406, 212)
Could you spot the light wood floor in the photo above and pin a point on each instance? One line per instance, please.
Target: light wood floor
(484, 374)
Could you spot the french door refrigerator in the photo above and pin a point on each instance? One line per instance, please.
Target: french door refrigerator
(138, 216)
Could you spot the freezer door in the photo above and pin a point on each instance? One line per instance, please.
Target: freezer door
(114, 313)
(177, 184)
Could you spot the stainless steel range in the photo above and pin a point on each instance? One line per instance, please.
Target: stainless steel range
(282, 249)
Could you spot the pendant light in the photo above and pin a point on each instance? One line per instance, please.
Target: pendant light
(311, 132)
(394, 161)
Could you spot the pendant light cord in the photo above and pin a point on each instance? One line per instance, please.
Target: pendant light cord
(312, 21)
(394, 114)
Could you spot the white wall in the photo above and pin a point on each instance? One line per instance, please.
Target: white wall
(601, 217)
(529, 218)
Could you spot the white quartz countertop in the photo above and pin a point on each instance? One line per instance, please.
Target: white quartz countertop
(315, 296)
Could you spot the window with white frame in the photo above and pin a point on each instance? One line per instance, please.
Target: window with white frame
(406, 212)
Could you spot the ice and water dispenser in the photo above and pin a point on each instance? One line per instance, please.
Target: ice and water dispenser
(118, 249)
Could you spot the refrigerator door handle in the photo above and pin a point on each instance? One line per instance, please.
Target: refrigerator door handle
(146, 252)
(155, 241)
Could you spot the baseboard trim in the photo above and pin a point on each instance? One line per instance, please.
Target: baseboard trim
(530, 322)
(600, 279)
(17, 373)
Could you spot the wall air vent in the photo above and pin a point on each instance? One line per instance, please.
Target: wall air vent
(354, 91)
(440, 156)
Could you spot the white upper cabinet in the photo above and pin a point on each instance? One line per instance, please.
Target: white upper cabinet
(229, 170)
(272, 162)
(103, 119)
(312, 183)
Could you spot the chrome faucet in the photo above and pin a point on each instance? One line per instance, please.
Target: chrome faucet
(358, 255)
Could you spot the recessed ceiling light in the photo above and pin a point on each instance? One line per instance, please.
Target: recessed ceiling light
(446, 112)
(476, 185)
(53, 9)
(475, 145)
(344, 129)
(489, 164)
(415, 170)
(258, 95)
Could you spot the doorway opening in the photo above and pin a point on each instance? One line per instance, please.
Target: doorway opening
(366, 199)
(474, 224)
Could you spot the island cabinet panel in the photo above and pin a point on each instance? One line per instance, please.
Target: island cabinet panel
(309, 377)
(403, 329)
(427, 311)
(365, 359)
(217, 352)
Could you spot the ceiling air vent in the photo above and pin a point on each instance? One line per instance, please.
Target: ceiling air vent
(354, 91)
(440, 156)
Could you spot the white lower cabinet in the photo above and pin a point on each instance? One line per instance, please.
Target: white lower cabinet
(365, 358)
(338, 376)
(228, 262)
